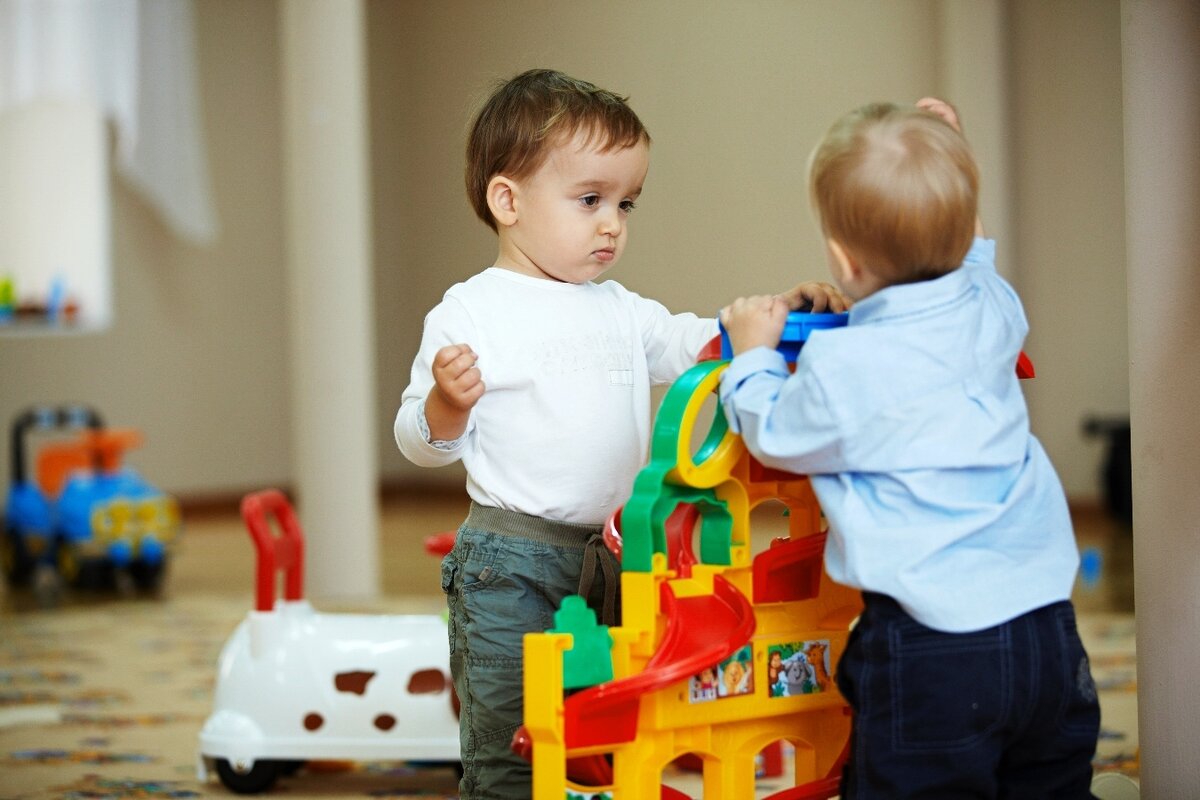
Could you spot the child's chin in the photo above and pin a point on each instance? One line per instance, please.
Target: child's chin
(584, 275)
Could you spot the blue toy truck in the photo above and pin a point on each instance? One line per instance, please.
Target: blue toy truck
(78, 518)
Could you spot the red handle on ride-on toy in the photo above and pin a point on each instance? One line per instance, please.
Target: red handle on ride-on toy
(284, 552)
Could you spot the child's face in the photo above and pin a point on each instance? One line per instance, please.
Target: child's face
(572, 213)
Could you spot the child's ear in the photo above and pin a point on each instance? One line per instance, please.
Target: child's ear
(847, 267)
(502, 200)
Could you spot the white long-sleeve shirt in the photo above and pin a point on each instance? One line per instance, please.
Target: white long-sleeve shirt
(564, 424)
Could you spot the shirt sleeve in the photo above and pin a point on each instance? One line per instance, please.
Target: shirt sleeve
(783, 418)
(440, 444)
(672, 341)
(448, 323)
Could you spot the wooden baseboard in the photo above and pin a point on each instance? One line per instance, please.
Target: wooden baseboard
(1087, 507)
(218, 504)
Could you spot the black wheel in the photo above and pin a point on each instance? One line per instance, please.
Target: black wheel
(89, 574)
(288, 768)
(14, 558)
(260, 777)
(148, 578)
(47, 586)
(123, 582)
(67, 563)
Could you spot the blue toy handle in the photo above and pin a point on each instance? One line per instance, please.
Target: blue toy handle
(43, 418)
(799, 325)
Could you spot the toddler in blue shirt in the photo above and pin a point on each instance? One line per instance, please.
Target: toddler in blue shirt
(965, 671)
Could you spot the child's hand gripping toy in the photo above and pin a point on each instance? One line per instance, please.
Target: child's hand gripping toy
(799, 325)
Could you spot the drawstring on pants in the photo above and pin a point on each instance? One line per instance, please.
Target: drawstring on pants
(596, 554)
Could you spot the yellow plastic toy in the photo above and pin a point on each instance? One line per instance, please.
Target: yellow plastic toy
(718, 657)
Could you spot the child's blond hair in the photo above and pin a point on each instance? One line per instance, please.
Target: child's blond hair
(898, 189)
(527, 115)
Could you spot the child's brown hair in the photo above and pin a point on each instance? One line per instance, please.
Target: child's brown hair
(897, 187)
(528, 114)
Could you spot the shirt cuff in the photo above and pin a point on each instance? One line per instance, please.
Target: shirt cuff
(743, 367)
(440, 444)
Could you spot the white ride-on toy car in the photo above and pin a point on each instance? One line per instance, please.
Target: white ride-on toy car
(296, 685)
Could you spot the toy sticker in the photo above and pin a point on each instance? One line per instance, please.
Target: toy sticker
(702, 686)
(730, 678)
(795, 668)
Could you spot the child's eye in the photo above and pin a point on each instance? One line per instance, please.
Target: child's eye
(590, 200)
(628, 205)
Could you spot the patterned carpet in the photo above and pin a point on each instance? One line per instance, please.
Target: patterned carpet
(106, 700)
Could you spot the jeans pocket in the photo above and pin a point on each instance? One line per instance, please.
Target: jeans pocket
(1080, 714)
(498, 610)
(949, 691)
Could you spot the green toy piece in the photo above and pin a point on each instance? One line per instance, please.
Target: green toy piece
(654, 497)
(669, 422)
(589, 660)
(8, 299)
(644, 517)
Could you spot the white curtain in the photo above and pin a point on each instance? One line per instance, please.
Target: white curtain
(135, 60)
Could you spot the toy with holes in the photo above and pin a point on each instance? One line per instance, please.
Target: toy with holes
(80, 518)
(296, 685)
(721, 654)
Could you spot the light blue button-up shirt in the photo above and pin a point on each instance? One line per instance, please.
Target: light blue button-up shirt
(913, 428)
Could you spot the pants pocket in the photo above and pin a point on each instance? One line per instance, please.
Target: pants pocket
(949, 691)
(1080, 714)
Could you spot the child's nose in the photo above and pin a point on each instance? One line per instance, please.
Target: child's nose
(611, 223)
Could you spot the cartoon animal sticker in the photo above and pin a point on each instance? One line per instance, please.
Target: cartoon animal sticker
(796, 668)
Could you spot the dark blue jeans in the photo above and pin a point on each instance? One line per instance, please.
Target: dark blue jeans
(1007, 712)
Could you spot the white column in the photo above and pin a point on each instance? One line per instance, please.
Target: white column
(1160, 50)
(973, 74)
(327, 228)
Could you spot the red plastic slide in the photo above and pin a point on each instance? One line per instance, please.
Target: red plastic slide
(701, 632)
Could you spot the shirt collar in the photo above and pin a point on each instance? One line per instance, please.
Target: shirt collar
(907, 299)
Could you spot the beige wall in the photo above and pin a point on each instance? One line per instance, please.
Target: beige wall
(734, 95)
(1069, 222)
(196, 355)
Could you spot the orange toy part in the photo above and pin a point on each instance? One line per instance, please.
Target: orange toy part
(99, 450)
